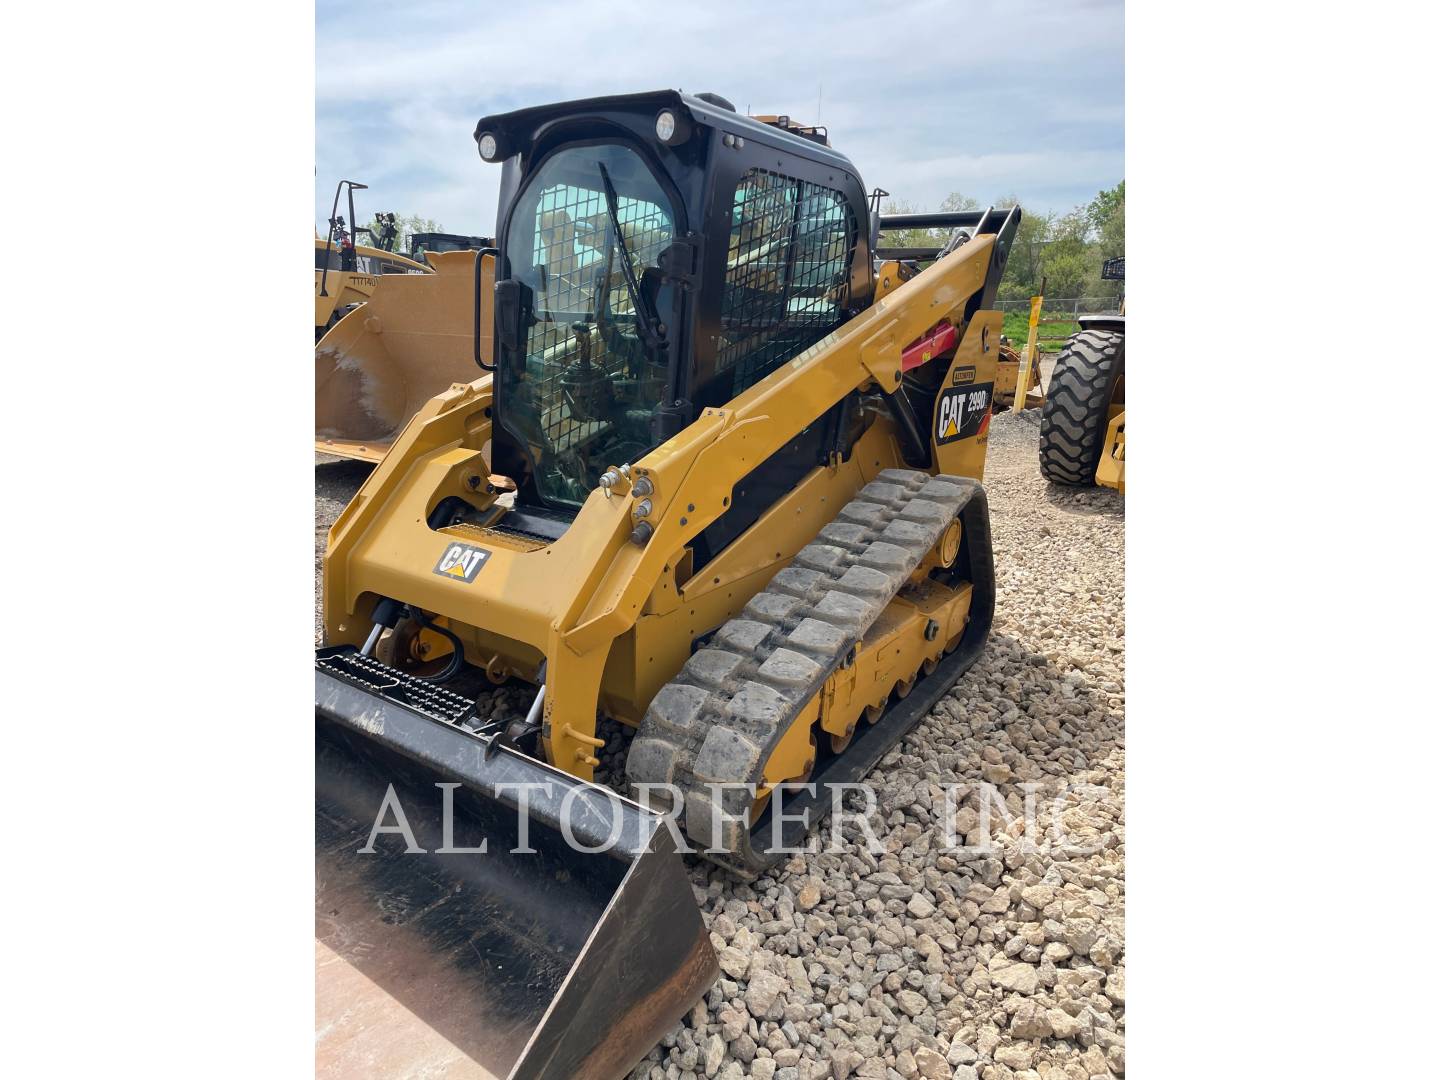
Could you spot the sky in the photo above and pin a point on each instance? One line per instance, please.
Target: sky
(929, 97)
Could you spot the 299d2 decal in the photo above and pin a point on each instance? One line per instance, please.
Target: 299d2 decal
(962, 411)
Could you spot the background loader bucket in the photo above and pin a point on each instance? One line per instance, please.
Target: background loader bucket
(411, 340)
(553, 963)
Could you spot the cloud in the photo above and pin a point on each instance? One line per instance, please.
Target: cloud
(986, 98)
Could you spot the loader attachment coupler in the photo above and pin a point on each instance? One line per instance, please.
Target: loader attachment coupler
(533, 958)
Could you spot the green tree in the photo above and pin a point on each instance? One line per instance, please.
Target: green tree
(1025, 267)
(1068, 258)
(924, 237)
(412, 224)
(1062, 251)
(906, 237)
(1106, 214)
(407, 225)
(956, 201)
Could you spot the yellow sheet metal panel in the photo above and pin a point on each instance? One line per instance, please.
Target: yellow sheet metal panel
(1110, 472)
(960, 426)
(377, 366)
(343, 288)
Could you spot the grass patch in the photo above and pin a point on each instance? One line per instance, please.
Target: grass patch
(1051, 335)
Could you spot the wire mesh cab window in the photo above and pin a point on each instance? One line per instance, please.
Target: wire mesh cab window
(787, 273)
(581, 392)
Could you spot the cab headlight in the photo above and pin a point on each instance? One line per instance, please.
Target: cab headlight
(671, 128)
(492, 147)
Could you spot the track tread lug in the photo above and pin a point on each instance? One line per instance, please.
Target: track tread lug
(798, 581)
(725, 754)
(712, 668)
(785, 667)
(822, 558)
(679, 706)
(775, 656)
(743, 635)
(815, 636)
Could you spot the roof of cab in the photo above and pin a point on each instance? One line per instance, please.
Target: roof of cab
(521, 125)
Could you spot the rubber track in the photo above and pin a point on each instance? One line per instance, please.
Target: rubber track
(1077, 406)
(721, 716)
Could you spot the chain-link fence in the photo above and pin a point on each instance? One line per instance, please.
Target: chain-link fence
(1058, 308)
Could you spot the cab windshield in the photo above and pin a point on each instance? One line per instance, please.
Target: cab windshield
(581, 393)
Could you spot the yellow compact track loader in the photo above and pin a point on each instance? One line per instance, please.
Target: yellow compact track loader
(720, 482)
(1082, 427)
(346, 273)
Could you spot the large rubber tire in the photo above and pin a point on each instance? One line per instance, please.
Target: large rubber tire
(1077, 406)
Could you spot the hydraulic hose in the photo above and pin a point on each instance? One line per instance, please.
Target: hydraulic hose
(914, 447)
(457, 657)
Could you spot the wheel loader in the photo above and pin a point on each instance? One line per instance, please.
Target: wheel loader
(414, 337)
(718, 480)
(346, 273)
(1082, 427)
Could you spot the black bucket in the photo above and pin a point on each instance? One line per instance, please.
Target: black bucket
(547, 962)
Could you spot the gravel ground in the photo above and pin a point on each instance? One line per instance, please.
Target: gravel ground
(922, 962)
(336, 481)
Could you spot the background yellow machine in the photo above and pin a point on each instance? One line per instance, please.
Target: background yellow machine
(739, 454)
(1082, 427)
(414, 338)
(346, 272)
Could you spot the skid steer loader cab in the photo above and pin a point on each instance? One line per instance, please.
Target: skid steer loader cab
(744, 449)
(737, 244)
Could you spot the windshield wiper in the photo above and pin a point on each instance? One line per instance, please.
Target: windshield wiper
(646, 319)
